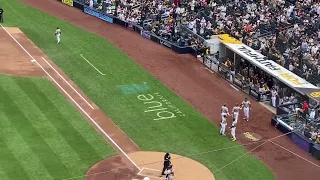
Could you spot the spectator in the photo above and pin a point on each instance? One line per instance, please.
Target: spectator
(91, 4)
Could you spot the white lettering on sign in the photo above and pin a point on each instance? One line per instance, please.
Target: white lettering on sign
(270, 66)
(260, 58)
(162, 108)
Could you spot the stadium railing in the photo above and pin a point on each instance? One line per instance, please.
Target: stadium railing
(80, 4)
(294, 123)
(297, 137)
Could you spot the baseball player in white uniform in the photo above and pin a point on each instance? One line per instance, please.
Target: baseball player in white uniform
(246, 105)
(58, 34)
(235, 112)
(169, 173)
(224, 110)
(233, 132)
(223, 125)
(312, 114)
(274, 97)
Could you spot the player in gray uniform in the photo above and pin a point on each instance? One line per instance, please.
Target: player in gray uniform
(246, 105)
(235, 112)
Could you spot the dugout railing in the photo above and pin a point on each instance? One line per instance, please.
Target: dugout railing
(235, 79)
(136, 27)
(212, 63)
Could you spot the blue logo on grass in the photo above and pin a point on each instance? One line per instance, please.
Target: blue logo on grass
(134, 88)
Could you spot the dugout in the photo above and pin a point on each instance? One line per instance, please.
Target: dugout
(289, 118)
(244, 58)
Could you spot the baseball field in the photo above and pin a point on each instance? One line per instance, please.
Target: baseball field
(57, 100)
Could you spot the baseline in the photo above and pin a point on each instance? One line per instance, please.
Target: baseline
(84, 112)
(268, 140)
(140, 173)
(92, 65)
(68, 84)
(295, 154)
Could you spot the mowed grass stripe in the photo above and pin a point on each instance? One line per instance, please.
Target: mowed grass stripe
(9, 163)
(121, 70)
(47, 131)
(76, 120)
(32, 137)
(29, 162)
(3, 175)
(61, 123)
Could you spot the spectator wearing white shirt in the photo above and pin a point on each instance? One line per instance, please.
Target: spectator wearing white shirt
(91, 4)
(291, 67)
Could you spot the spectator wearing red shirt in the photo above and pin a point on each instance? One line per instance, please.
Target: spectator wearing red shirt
(305, 106)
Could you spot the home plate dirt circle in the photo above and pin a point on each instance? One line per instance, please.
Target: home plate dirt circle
(150, 164)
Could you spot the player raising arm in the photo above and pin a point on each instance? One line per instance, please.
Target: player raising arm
(246, 105)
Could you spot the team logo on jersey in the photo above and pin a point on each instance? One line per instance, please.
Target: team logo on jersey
(315, 94)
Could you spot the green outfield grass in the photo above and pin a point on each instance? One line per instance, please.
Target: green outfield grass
(42, 135)
(185, 133)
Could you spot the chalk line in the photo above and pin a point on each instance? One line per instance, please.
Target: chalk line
(295, 154)
(95, 123)
(251, 151)
(92, 65)
(68, 83)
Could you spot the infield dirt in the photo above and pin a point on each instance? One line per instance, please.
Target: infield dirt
(17, 62)
(23, 58)
(188, 78)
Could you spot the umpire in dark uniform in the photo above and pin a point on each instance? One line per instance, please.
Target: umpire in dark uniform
(1, 15)
(166, 162)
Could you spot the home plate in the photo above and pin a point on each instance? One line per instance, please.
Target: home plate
(152, 174)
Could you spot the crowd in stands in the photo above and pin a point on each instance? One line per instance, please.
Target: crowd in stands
(286, 33)
(297, 48)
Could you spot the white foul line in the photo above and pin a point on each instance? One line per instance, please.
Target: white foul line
(16, 41)
(92, 120)
(68, 83)
(33, 60)
(141, 174)
(141, 170)
(295, 154)
(92, 65)
(251, 151)
(209, 70)
(234, 87)
(152, 169)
